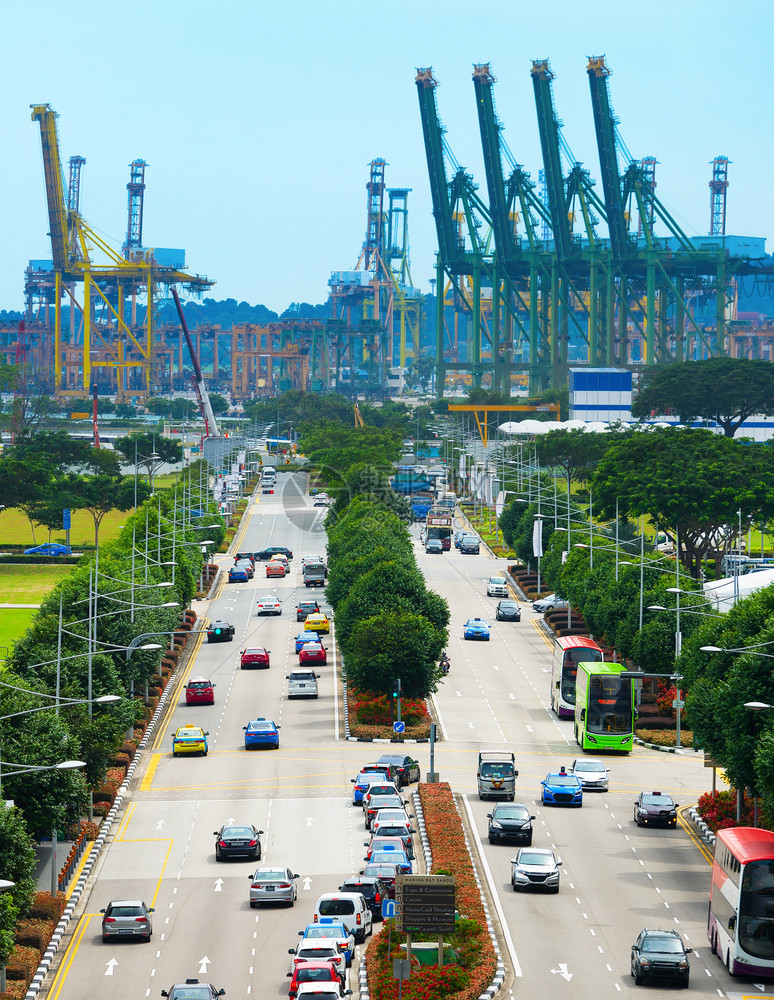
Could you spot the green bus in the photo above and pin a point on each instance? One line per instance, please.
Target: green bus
(604, 710)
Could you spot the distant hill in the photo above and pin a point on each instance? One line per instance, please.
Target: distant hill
(226, 313)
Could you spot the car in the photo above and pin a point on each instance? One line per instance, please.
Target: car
(273, 885)
(318, 991)
(379, 788)
(407, 769)
(382, 829)
(398, 858)
(377, 802)
(313, 558)
(371, 888)
(497, 587)
(49, 549)
(267, 486)
(549, 603)
(273, 550)
(319, 950)
(660, 954)
(330, 927)
(189, 739)
(304, 637)
(470, 545)
(389, 771)
(248, 565)
(458, 536)
(560, 788)
(535, 868)
(312, 652)
(302, 683)
(321, 501)
(238, 574)
(476, 628)
(434, 546)
(386, 873)
(392, 818)
(655, 809)
(317, 622)
(508, 611)
(322, 975)
(280, 558)
(198, 691)
(254, 657)
(192, 989)
(126, 918)
(510, 821)
(304, 608)
(269, 605)
(275, 568)
(387, 844)
(261, 733)
(362, 783)
(244, 556)
(592, 773)
(220, 632)
(238, 841)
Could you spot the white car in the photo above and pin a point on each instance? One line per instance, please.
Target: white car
(497, 587)
(592, 773)
(549, 603)
(269, 605)
(321, 991)
(319, 950)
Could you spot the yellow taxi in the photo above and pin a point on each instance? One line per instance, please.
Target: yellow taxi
(317, 623)
(189, 739)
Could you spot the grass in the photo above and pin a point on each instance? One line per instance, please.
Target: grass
(14, 622)
(15, 529)
(493, 539)
(29, 584)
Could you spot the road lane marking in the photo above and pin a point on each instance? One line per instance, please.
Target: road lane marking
(125, 821)
(147, 778)
(69, 956)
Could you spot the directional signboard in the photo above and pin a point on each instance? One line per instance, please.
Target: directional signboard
(425, 903)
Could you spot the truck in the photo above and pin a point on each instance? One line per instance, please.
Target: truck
(439, 525)
(313, 574)
(421, 504)
(497, 775)
(447, 499)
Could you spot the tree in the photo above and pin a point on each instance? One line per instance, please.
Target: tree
(100, 494)
(689, 481)
(62, 454)
(396, 644)
(576, 452)
(727, 390)
(142, 445)
(423, 369)
(17, 860)
(218, 403)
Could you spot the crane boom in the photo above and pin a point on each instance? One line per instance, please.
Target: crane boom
(211, 429)
(55, 189)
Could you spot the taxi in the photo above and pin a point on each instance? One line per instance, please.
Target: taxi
(189, 739)
(305, 637)
(317, 623)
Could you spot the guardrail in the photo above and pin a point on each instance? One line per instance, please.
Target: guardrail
(76, 852)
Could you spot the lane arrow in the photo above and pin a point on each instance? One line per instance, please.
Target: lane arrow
(562, 971)
(230, 820)
(307, 883)
(512, 696)
(160, 824)
(471, 726)
(218, 888)
(496, 667)
(203, 963)
(458, 693)
(110, 966)
(309, 821)
(530, 729)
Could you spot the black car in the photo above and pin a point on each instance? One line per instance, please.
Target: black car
(655, 809)
(510, 821)
(305, 608)
(238, 842)
(371, 888)
(660, 955)
(244, 555)
(192, 989)
(220, 632)
(508, 611)
(273, 550)
(406, 767)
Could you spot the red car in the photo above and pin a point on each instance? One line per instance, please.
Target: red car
(313, 972)
(255, 658)
(198, 691)
(312, 652)
(275, 568)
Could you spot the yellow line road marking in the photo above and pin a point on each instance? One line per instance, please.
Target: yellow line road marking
(125, 821)
(147, 778)
(78, 870)
(70, 954)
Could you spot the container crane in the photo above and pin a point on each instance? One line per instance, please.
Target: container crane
(604, 126)
(211, 429)
(718, 191)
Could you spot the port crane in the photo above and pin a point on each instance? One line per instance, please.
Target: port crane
(211, 429)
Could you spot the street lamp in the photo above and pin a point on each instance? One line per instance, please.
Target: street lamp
(753, 650)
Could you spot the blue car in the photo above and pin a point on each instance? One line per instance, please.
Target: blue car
(238, 574)
(476, 628)
(49, 549)
(361, 783)
(261, 733)
(330, 927)
(561, 788)
(305, 637)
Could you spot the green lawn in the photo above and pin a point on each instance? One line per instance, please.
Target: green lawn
(15, 529)
(14, 622)
(29, 584)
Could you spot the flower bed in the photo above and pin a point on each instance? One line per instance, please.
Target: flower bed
(477, 962)
(370, 716)
(665, 737)
(719, 810)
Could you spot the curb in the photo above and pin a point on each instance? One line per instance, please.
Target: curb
(704, 831)
(656, 746)
(99, 843)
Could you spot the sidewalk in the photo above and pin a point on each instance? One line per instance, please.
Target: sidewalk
(43, 863)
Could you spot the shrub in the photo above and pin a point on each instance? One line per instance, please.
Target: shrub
(121, 760)
(23, 963)
(665, 737)
(719, 810)
(48, 907)
(15, 990)
(101, 808)
(34, 933)
(104, 793)
(129, 747)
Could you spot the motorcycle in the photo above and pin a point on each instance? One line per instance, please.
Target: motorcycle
(445, 664)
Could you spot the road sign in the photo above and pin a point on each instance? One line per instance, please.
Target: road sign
(401, 969)
(426, 903)
(66, 518)
(399, 727)
(388, 909)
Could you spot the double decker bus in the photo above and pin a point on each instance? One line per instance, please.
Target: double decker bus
(604, 708)
(569, 651)
(439, 525)
(740, 926)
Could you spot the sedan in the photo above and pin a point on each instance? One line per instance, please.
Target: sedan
(312, 652)
(126, 918)
(220, 632)
(238, 574)
(397, 858)
(378, 788)
(362, 783)
(385, 844)
(198, 691)
(304, 608)
(407, 768)
(384, 829)
(192, 989)
(269, 605)
(246, 564)
(549, 603)
(329, 927)
(304, 637)
(238, 842)
(318, 622)
(189, 739)
(592, 773)
(319, 950)
(261, 733)
(655, 809)
(434, 546)
(476, 628)
(48, 549)
(275, 568)
(508, 611)
(536, 868)
(323, 976)
(386, 873)
(510, 821)
(273, 885)
(255, 657)
(560, 788)
(273, 550)
(381, 802)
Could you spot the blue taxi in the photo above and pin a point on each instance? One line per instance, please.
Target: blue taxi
(476, 628)
(562, 788)
(189, 739)
(261, 733)
(305, 637)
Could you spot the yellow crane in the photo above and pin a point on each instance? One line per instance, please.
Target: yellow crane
(358, 417)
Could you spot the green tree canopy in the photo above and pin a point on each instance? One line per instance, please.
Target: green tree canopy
(141, 445)
(392, 644)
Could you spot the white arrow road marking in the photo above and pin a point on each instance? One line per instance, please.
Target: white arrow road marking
(458, 693)
(203, 963)
(309, 821)
(110, 966)
(160, 824)
(512, 696)
(496, 667)
(529, 729)
(471, 726)
(218, 888)
(230, 820)
(562, 971)
(307, 883)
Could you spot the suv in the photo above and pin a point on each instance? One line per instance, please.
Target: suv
(470, 545)
(220, 632)
(660, 955)
(371, 888)
(496, 587)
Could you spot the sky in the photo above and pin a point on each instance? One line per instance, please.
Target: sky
(259, 120)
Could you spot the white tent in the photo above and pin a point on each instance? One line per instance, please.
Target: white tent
(723, 593)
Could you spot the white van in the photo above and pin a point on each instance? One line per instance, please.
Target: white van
(348, 907)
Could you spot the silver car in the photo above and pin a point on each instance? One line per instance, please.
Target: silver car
(126, 918)
(273, 885)
(592, 773)
(535, 867)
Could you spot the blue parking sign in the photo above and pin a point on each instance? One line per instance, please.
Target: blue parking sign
(66, 518)
(388, 909)
(399, 727)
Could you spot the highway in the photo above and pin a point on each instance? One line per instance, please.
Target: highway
(615, 878)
